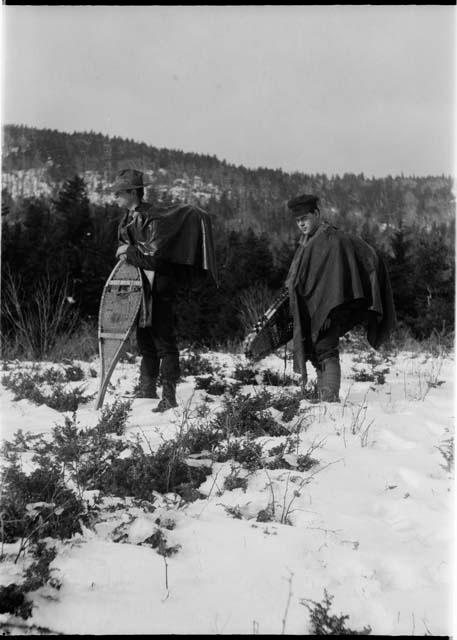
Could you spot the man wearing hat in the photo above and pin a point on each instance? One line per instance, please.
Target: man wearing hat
(335, 281)
(166, 244)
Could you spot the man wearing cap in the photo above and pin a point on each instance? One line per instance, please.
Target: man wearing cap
(335, 281)
(165, 243)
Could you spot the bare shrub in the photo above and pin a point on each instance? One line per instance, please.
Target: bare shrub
(253, 302)
(37, 322)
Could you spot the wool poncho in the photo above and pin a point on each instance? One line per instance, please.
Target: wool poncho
(338, 276)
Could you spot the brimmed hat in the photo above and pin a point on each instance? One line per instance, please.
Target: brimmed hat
(305, 203)
(129, 179)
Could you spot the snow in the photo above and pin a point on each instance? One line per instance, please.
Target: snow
(371, 523)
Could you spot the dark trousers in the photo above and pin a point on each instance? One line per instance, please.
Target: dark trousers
(326, 346)
(157, 343)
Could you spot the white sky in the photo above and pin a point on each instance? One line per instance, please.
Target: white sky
(328, 89)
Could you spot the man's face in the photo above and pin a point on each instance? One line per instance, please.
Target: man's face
(126, 199)
(308, 222)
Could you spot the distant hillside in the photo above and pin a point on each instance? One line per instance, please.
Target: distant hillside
(38, 161)
(57, 219)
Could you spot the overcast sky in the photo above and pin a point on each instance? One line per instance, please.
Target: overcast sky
(323, 89)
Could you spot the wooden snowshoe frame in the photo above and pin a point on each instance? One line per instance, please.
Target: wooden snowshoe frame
(272, 330)
(119, 307)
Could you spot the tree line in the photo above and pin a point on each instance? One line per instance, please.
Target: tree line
(70, 240)
(250, 197)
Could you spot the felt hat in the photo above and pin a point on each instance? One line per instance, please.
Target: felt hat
(304, 203)
(129, 179)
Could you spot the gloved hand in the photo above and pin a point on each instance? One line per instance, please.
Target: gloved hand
(247, 344)
(121, 252)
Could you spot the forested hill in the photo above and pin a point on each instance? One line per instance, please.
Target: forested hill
(38, 161)
(59, 218)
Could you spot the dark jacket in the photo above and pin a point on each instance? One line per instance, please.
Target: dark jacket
(338, 276)
(175, 242)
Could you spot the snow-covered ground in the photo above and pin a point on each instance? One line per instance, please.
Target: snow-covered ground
(372, 523)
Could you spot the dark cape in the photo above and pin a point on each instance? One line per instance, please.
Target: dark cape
(175, 240)
(337, 276)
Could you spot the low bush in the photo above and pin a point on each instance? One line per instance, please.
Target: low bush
(247, 453)
(113, 418)
(21, 442)
(265, 515)
(233, 481)
(362, 375)
(371, 358)
(74, 373)
(245, 375)
(278, 458)
(39, 573)
(325, 624)
(306, 462)
(81, 454)
(25, 387)
(289, 404)
(202, 438)
(193, 364)
(375, 374)
(235, 512)
(211, 384)
(276, 379)
(158, 541)
(87, 454)
(41, 504)
(38, 504)
(244, 415)
(142, 473)
(48, 376)
(216, 385)
(13, 600)
(63, 399)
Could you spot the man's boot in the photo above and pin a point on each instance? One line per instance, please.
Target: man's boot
(168, 396)
(319, 380)
(330, 380)
(147, 387)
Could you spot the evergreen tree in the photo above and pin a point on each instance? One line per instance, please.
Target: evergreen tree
(433, 277)
(73, 232)
(401, 270)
